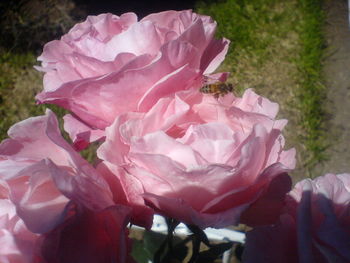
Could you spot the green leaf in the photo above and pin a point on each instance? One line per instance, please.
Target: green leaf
(143, 250)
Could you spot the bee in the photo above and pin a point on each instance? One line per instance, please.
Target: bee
(217, 89)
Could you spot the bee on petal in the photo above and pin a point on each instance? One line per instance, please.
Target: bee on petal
(217, 89)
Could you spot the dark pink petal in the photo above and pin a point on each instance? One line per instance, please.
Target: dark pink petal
(268, 207)
(90, 237)
(335, 237)
(272, 244)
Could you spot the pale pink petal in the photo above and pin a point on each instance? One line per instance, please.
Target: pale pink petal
(114, 140)
(254, 103)
(81, 134)
(109, 65)
(17, 243)
(171, 20)
(127, 191)
(87, 190)
(173, 182)
(247, 194)
(287, 158)
(97, 101)
(230, 153)
(141, 38)
(49, 168)
(9, 251)
(183, 78)
(4, 189)
(38, 202)
(213, 141)
(8, 210)
(162, 115)
(30, 139)
(9, 168)
(182, 154)
(214, 55)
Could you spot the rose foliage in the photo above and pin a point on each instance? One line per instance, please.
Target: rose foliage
(165, 148)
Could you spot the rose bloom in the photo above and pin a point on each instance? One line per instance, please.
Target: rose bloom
(314, 228)
(112, 64)
(38, 165)
(56, 207)
(84, 236)
(201, 160)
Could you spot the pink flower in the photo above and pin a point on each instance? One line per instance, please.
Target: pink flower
(315, 227)
(110, 65)
(84, 236)
(48, 189)
(42, 171)
(200, 160)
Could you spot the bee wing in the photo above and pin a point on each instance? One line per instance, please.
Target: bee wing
(217, 77)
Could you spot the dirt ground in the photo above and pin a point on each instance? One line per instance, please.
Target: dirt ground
(337, 81)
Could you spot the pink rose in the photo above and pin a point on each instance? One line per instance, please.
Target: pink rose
(46, 188)
(110, 65)
(315, 227)
(84, 236)
(39, 165)
(200, 160)
(45, 173)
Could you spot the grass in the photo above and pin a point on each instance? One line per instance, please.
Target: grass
(17, 89)
(276, 49)
(19, 83)
(312, 94)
